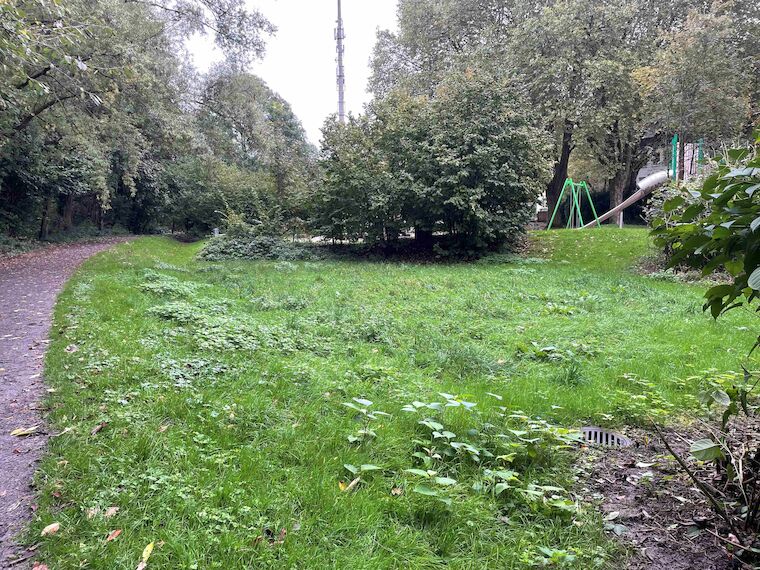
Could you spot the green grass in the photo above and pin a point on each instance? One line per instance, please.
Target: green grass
(222, 386)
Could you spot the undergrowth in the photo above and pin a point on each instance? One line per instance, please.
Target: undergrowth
(338, 414)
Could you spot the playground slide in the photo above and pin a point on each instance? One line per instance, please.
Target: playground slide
(645, 187)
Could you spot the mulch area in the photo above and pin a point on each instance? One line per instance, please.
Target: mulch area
(29, 286)
(654, 508)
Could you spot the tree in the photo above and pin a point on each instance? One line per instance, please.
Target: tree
(465, 165)
(697, 85)
(101, 80)
(245, 122)
(580, 62)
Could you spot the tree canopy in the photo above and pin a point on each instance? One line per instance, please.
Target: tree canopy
(103, 120)
(610, 80)
(466, 162)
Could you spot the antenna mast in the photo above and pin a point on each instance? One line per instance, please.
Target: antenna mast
(340, 35)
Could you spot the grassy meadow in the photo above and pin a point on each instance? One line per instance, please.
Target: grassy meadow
(206, 402)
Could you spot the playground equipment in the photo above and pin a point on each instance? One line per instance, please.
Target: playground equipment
(577, 191)
(693, 165)
(645, 187)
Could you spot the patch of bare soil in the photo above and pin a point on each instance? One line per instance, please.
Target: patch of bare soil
(29, 286)
(654, 508)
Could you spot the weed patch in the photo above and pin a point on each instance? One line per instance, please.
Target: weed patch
(206, 402)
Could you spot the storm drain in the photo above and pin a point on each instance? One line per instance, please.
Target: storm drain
(600, 436)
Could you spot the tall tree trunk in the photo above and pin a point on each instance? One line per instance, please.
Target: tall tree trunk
(45, 221)
(620, 184)
(97, 214)
(423, 237)
(68, 212)
(617, 191)
(560, 171)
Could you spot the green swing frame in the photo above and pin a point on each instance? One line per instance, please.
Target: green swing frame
(577, 191)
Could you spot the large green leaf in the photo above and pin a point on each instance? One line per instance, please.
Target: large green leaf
(754, 280)
(425, 490)
(706, 450)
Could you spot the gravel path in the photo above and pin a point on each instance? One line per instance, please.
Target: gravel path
(29, 286)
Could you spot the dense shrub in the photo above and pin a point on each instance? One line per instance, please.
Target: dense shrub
(461, 169)
(660, 210)
(256, 247)
(722, 229)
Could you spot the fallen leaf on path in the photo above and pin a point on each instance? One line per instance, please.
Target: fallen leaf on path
(98, 427)
(50, 529)
(40, 566)
(21, 432)
(113, 535)
(111, 511)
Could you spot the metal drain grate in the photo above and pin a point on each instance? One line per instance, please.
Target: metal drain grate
(600, 436)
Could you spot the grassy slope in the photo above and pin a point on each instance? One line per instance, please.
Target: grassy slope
(258, 438)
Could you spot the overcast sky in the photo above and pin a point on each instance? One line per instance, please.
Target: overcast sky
(300, 59)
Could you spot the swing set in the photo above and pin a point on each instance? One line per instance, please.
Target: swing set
(577, 190)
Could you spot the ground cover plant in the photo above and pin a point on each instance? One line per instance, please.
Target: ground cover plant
(341, 414)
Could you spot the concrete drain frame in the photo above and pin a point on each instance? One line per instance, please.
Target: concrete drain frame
(603, 437)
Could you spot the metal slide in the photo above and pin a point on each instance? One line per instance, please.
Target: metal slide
(645, 187)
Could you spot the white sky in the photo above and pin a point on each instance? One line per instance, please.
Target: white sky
(300, 60)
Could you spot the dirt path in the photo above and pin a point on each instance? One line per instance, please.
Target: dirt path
(29, 286)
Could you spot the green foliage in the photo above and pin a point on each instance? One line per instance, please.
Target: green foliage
(101, 121)
(720, 230)
(465, 163)
(607, 96)
(667, 204)
(726, 236)
(256, 247)
(226, 423)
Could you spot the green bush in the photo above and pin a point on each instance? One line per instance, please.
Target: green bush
(256, 247)
(461, 168)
